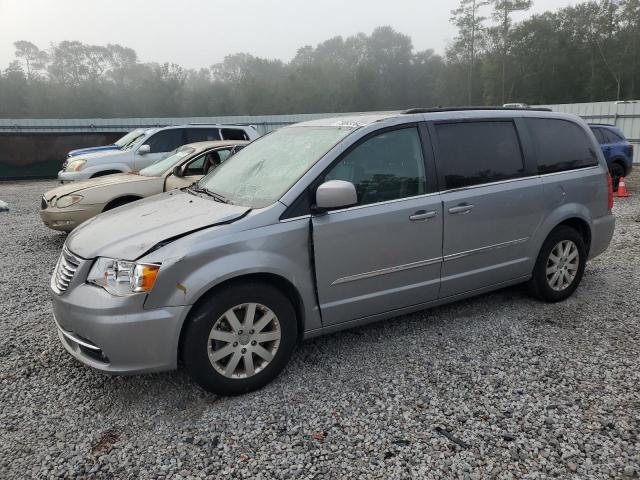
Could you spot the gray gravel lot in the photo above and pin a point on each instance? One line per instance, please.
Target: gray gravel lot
(498, 386)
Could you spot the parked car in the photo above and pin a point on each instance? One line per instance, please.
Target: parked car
(155, 144)
(119, 144)
(67, 206)
(291, 239)
(618, 152)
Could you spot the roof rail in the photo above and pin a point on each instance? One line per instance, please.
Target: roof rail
(463, 109)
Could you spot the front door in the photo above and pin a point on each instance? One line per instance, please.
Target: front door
(384, 253)
(161, 145)
(492, 205)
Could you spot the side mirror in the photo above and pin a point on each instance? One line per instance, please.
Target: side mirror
(336, 194)
(144, 149)
(177, 171)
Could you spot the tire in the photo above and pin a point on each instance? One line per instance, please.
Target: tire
(616, 172)
(540, 285)
(197, 345)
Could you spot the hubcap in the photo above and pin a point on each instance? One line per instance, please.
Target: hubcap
(241, 348)
(562, 265)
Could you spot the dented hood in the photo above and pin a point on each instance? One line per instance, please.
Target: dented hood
(129, 231)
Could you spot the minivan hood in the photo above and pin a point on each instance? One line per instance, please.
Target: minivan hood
(74, 187)
(129, 231)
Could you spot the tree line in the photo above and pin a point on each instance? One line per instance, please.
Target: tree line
(587, 52)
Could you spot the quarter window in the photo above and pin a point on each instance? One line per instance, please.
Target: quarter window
(385, 167)
(560, 145)
(234, 134)
(472, 153)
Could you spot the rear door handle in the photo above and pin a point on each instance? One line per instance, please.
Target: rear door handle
(422, 215)
(462, 208)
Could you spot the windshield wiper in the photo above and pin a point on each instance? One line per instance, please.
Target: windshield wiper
(216, 196)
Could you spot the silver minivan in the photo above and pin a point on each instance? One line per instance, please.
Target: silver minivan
(329, 224)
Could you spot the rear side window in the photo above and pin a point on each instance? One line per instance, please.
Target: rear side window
(385, 167)
(202, 135)
(612, 137)
(472, 153)
(234, 134)
(560, 145)
(165, 140)
(599, 136)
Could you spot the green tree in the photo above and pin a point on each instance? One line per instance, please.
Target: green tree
(470, 26)
(502, 11)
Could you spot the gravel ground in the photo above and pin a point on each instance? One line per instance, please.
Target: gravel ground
(500, 386)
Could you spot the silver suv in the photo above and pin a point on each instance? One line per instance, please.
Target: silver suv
(329, 224)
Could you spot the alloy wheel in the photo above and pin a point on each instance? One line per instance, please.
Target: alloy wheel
(244, 340)
(562, 265)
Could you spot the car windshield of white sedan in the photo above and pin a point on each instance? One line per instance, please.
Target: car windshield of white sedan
(264, 170)
(129, 137)
(163, 166)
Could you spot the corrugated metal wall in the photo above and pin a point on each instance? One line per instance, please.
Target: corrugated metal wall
(264, 123)
(79, 133)
(624, 115)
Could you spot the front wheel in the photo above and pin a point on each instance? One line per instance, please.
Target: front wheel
(560, 265)
(240, 338)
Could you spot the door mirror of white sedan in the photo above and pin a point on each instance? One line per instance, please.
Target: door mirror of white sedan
(177, 171)
(144, 149)
(335, 194)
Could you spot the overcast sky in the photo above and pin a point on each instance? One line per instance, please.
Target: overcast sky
(198, 33)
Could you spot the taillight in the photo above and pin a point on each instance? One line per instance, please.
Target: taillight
(609, 191)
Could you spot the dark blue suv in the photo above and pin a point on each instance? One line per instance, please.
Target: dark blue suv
(616, 149)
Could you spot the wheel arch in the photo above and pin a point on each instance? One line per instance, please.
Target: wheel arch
(103, 173)
(121, 200)
(622, 162)
(281, 283)
(580, 225)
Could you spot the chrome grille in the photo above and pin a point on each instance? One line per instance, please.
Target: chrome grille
(43, 203)
(65, 270)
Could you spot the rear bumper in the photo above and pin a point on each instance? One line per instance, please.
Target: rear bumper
(601, 234)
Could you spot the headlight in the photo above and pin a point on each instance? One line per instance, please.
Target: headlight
(75, 165)
(120, 277)
(67, 201)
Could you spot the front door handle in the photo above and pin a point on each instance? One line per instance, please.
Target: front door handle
(462, 208)
(422, 215)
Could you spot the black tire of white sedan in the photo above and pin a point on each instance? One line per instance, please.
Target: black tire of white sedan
(239, 338)
(560, 265)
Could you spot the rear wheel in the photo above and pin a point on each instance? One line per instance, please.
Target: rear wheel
(240, 338)
(617, 172)
(560, 265)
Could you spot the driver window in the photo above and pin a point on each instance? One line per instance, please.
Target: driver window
(195, 166)
(385, 167)
(206, 162)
